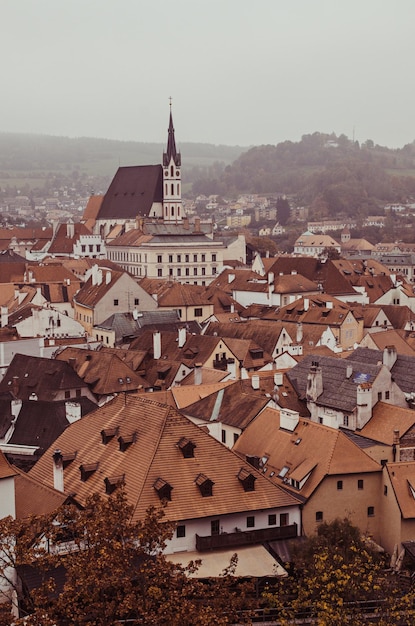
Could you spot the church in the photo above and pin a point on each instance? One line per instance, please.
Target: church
(146, 231)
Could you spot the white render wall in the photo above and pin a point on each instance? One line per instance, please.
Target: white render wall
(228, 524)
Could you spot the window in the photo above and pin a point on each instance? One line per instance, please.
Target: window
(203, 271)
(385, 490)
(170, 258)
(214, 258)
(360, 483)
(198, 312)
(179, 258)
(195, 258)
(67, 394)
(179, 271)
(272, 519)
(339, 484)
(250, 521)
(387, 395)
(214, 527)
(115, 301)
(284, 519)
(319, 516)
(159, 258)
(203, 258)
(136, 301)
(370, 511)
(345, 420)
(379, 396)
(181, 531)
(187, 271)
(235, 437)
(83, 248)
(320, 420)
(78, 393)
(159, 272)
(186, 258)
(223, 436)
(195, 271)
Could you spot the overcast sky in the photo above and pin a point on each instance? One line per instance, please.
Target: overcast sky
(239, 72)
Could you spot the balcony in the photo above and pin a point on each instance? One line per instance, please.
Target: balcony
(247, 538)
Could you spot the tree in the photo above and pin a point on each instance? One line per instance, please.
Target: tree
(333, 571)
(283, 210)
(115, 569)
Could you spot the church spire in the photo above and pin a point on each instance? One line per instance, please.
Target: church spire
(171, 152)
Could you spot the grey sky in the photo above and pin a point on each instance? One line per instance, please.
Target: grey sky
(239, 72)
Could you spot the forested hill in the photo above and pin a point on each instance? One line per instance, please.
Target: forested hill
(30, 153)
(331, 174)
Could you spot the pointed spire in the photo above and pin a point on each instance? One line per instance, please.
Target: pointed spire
(171, 152)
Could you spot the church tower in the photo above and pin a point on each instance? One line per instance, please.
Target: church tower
(172, 183)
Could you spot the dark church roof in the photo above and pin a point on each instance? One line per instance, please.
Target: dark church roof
(132, 192)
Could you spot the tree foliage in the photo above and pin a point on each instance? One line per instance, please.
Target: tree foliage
(114, 569)
(333, 572)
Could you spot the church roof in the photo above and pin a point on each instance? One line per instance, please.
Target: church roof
(132, 192)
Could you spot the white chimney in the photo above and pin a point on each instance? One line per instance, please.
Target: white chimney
(349, 371)
(107, 278)
(289, 419)
(58, 470)
(299, 334)
(73, 411)
(4, 316)
(389, 356)
(198, 373)
(306, 304)
(231, 368)
(157, 344)
(255, 381)
(278, 378)
(231, 278)
(94, 274)
(329, 304)
(271, 278)
(16, 406)
(182, 337)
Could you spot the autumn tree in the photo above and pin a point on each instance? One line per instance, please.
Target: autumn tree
(332, 573)
(114, 569)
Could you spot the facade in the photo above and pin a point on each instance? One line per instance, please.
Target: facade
(107, 292)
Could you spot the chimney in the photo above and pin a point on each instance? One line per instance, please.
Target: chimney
(349, 371)
(389, 356)
(271, 278)
(289, 419)
(363, 404)
(70, 230)
(182, 337)
(157, 344)
(58, 470)
(186, 223)
(314, 382)
(329, 304)
(299, 333)
(231, 368)
(94, 274)
(73, 411)
(15, 386)
(306, 304)
(4, 316)
(16, 406)
(278, 379)
(107, 278)
(231, 278)
(197, 225)
(396, 450)
(99, 277)
(255, 382)
(232, 308)
(198, 373)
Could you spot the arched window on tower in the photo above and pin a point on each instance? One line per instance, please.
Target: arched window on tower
(167, 189)
(178, 189)
(172, 189)
(171, 171)
(172, 211)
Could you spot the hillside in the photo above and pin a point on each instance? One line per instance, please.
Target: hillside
(29, 161)
(331, 174)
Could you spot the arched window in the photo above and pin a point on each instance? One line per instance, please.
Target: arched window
(171, 171)
(172, 189)
(178, 189)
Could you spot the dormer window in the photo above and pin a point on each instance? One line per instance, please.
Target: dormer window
(107, 434)
(205, 485)
(163, 489)
(112, 482)
(87, 469)
(187, 447)
(68, 458)
(126, 442)
(247, 479)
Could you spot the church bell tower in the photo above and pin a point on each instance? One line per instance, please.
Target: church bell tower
(172, 183)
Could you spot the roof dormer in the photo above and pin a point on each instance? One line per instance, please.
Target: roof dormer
(205, 485)
(247, 479)
(163, 489)
(187, 447)
(87, 469)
